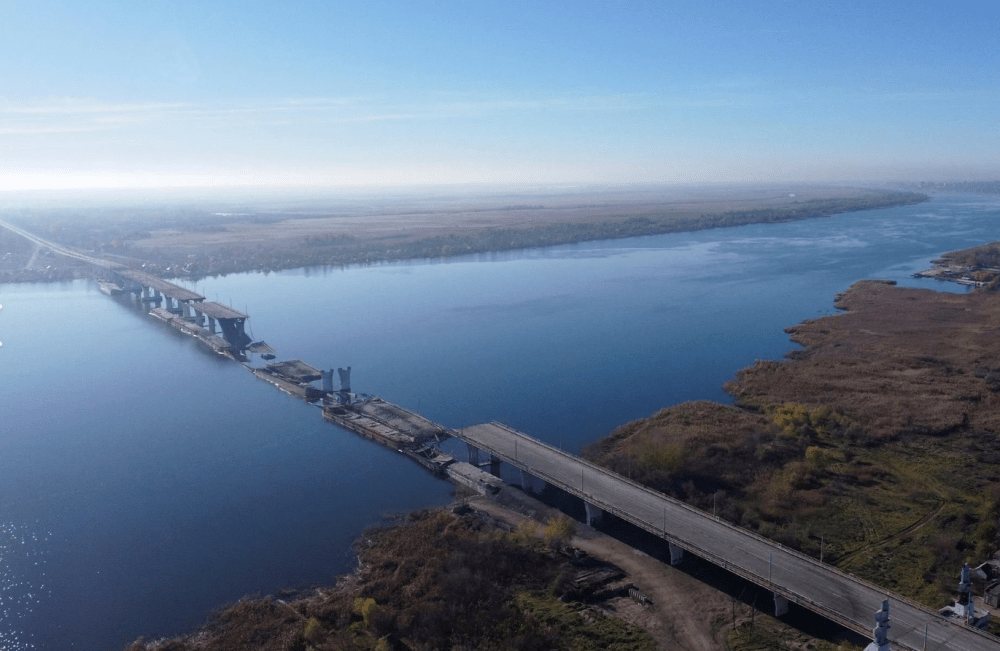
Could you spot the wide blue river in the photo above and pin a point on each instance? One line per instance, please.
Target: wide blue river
(144, 481)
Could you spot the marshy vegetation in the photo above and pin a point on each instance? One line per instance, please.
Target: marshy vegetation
(875, 445)
(434, 581)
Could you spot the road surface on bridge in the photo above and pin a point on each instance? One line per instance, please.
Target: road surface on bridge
(801, 579)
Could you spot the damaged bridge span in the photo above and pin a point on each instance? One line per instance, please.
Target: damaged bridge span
(791, 576)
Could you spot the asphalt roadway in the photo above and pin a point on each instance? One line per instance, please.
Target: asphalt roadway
(58, 248)
(845, 599)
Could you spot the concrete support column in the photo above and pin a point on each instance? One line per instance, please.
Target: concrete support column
(199, 318)
(780, 605)
(211, 325)
(525, 481)
(156, 296)
(185, 309)
(594, 514)
(473, 455)
(494, 466)
(145, 292)
(676, 554)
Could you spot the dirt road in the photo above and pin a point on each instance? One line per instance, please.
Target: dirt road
(685, 614)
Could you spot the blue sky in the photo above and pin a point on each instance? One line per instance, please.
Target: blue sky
(173, 93)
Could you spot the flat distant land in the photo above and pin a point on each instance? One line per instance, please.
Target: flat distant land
(209, 236)
(407, 219)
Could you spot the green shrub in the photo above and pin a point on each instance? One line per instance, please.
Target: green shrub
(366, 608)
(313, 629)
(559, 530)
(664, 458)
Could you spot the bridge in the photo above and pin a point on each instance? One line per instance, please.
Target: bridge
(133, 279)
(791, 576)
(191, 307)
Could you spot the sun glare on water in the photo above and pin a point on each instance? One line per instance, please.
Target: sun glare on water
(23, 582)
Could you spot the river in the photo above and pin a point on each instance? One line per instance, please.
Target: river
(144, 481)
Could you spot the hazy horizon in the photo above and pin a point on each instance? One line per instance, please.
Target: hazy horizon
(162, 94)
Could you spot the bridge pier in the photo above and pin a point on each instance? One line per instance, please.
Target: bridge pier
(528, 482)
(211, 325)
(494, 466)
(594, 514)
(473, 455)
(676, 553)
(780, 605)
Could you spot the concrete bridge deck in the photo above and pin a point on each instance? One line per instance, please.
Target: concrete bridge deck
(799, 578)
(218, 310)
(164, 287)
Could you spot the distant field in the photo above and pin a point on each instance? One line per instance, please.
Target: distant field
(412, 218)
(211, 235)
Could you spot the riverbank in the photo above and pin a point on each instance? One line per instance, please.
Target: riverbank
(872, 446)
(613, 596)
(476, 575)
(194, 242)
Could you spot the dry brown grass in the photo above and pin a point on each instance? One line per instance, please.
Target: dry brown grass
(899, 361)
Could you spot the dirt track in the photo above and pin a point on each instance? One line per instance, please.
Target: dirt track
(684, 614)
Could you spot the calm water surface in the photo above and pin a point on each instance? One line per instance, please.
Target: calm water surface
(144, 481)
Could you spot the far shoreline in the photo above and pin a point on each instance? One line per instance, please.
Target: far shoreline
(197, 244)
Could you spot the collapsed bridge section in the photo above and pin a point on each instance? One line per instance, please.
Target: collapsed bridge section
(231, 322)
